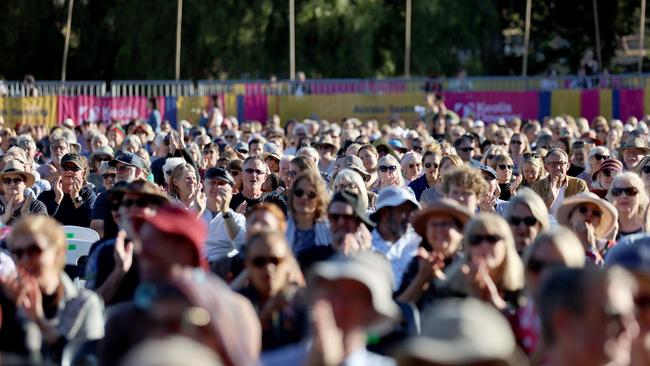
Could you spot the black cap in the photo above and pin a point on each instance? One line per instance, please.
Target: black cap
(128, 158)
(220, 174)
(353, 200)
(73, 159)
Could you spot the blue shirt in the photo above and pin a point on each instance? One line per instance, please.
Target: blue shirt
(419, 185)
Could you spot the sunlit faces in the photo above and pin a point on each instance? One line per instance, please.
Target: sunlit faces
(125, 173)
(254, 174)
(431, 165)
(465, 197)
(268, 264)
(34, 254)
(13, 184)
(444, 235)
(586, 212)
(557, 166)
(487, 247)
(342, 218)
(305, 197)
(531, 173)
(369, 159)
(632, 156)
(524, 226)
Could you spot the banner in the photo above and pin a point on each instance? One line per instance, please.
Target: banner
(190, 108)
(34, 110)
(89, 108)
(490, 106)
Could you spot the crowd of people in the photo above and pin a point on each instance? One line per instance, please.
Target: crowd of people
(441, 241)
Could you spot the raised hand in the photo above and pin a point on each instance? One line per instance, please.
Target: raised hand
(327, 347)
(123, 252)
(57, 187)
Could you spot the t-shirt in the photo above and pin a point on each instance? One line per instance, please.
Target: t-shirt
(66, 212)
(239, 198)
(100, 265)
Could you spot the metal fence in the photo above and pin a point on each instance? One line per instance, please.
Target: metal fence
(150, 88)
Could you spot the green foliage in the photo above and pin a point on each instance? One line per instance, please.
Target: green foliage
(126, 39)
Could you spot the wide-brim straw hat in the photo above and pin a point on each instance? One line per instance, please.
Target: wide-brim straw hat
(634, 143)
(442, 207)
(608, 219)
(16, 167)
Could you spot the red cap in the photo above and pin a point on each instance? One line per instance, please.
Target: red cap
(177, 221)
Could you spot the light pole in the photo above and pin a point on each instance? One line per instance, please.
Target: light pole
(179, 21)
(66, 45)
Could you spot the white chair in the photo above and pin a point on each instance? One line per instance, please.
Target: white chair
(76, 250)
(80, 233)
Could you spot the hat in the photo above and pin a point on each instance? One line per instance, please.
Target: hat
(241, 146)
(393, 197)
(128, 158)
(442, 207)
(462, 332)
(202, 140)
(634, 143)
(220, 174)
(14, 166)
(632, 253)
(102, 150)
(371, 269)
(355, 163)
(68, 122)
(173, 220)
(591, 136)
(272, 150)
(485, 168)
(353, 200)
(326, 140)
(607, 221)
(381, 142)
(479, 123)
(610, 164)
(397, 145)
(73, 159)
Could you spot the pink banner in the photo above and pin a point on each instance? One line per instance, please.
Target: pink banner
(256, 108)
(490, 106)
(631, 103)
(88, 108)
(590, 103)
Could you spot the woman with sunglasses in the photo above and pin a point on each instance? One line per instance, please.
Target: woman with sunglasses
(528, 216)
(447, 164)
(307, 224)
(518, 147)
(14, 202)
(102, 154)
(643, 170)
(593, 220)
(596, 157)
(629, 197)
(503, 166)
(532, 169)
(42, 296)
(389, 173)
(603, 177)
(552, 249)
(274, 281)
(350, 180)
(491, 269)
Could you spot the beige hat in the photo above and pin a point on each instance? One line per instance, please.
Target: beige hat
(634, 143)
(442, 207)
(608, 219)
(16, 167)
(463, 332)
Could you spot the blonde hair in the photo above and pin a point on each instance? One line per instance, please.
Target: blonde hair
(564, 241)
(177, 173)
(466, 177)
(390, 159)
(349, 176)
(493, 150)
(637, 183)
(33, 225)
(500, 159)
(527, 197)
(408, 158)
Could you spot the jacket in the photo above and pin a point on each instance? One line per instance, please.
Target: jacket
(573, 187)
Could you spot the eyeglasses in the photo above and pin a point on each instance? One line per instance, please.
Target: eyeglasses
(476, 240)
(385, 169)
(505, 166)
(556, 164)
(108, 176)
(431, 165)
(595, 213)
(253, 171)
(140, 203)
(489, 177)
(230, 137)
(31, 251)
(347, 187)
(260, 262)
(537, 266)
(299, 193)
(646, 169)
(417, 149)
(70, 168)
(102, 158)
(629, 191)
(528, 221)
(601, 157)
(490, 156)
(16, 181)
(466, 149)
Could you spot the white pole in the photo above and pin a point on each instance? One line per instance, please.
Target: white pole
(524, 67)
(66, 45)
(292, 39)
(179, 21)
(407, 41)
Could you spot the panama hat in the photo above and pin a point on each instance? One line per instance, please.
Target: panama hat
(16, 167)
(442, 207)
(608, 219)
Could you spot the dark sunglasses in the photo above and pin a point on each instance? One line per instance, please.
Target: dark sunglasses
(490, 156)
(140, 203)
(489, 177)
(476, 240)
(16, 181)
(30, 251)
(230, 137)
(609, 173)
(102, 158)
(336, 217)
(629, 191)
(299, 193)
(646, 169)
(601, 157)
(532, 155)
(431, 165)
(385, 169)
(515, 142)
(109, 175)
(529, 220)
(70, 168)
(537, 266)
(466, 149)
(505, 166)
(595, 213)
(253, 171)
(260, 262)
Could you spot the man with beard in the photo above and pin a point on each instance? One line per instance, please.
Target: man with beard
(393, 236)
(255, 171)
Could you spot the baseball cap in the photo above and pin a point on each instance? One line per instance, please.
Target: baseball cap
(128, 158)
(241, 146)
(220, 174)
(393, 197)
(353, 200)
(75, 159)
(487, 169)
(632, 253)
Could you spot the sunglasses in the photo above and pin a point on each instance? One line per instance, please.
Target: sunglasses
(16, 181)
(31, 251)
(336, 217)
(488, 177)
(431, 165)
(537, 266)
(515, 142)
(140, 203)
(595, 213)
(70, 168)
(109, 176)
(528, 221)
(646, 169)
(100, 159)
(260, 262)
(299, 193)
(610, 173)
(505, 166)
(466, 149)
(230, 137)
(601, 157)
(385, 169)
(490, 156)
(532, 155)
(629, 191)
(476, 240)
(253, 171)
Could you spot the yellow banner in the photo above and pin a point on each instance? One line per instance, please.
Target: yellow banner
(190, 108)
(565, 102)
(339, 106)
(35, 110)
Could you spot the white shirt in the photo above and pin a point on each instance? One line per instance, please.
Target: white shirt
(559, 199)
(218, 244)
(399, 253)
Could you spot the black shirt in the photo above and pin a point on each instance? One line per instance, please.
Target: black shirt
(575, 170)
(239, 198)
(66, 212)
(100, 265)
